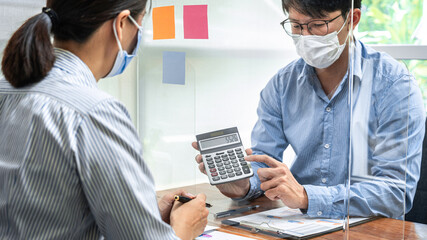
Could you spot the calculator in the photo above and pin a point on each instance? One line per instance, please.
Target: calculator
(223, 156)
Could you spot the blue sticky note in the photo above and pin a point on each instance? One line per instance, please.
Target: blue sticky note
(174, 68)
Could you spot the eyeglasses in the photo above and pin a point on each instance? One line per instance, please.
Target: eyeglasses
(315, 27)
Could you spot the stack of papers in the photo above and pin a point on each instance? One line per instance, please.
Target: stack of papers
(286, 222)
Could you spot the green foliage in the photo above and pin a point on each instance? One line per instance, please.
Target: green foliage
(394, 22)
(390, 21)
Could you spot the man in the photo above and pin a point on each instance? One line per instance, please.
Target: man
(306, 106)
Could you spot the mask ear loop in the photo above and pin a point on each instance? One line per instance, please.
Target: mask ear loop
(115, 34)
(134, 22)
(342, 27)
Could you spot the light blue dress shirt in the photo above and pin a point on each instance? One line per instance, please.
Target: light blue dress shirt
(295, 111)
(71, 162)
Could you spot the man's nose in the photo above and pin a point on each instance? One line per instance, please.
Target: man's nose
(304, 31)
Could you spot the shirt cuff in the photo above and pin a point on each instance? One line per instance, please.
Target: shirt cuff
(320, 201)
(254, 190)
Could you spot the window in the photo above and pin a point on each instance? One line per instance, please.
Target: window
(400, 29)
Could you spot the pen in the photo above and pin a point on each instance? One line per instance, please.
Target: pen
(186, 199)
(235, 211)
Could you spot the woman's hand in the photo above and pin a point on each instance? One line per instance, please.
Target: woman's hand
(167, 201)
(189, 220)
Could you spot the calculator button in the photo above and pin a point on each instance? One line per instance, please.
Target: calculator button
(213, 170)
(210, 162)
(231, 175)
(218, 160)
(235, 165)
(230, 170)
(244, 163)
(238, 173)
(221, 169)
(227, 166)
(219, 164)
(215, 178)
(224, 177)
(208, 156)
(225, 159)
(220, 153)
(209, 159)
(237, 169)
(233, 157)
(230, 151)
(227, 163)
(240, 155)
(241, 159)
(246, 170)
(217, 157)
(224, 156)
(211, 166)
(222, 172)
(234, 161)
(238, 149)
(214, 174)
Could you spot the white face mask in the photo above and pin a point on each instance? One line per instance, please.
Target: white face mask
(319, 51)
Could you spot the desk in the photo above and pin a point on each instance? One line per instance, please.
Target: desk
(383, 228)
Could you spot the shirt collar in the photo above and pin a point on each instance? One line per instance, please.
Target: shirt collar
(71, 64)
(358, 63)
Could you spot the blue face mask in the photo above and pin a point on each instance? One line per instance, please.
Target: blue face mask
(123, 58)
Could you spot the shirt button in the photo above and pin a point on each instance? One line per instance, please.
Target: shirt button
(319, 213)
(327, 146)
(328, 109)
(323, 180)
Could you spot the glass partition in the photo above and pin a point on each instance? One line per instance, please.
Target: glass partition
(387, 115)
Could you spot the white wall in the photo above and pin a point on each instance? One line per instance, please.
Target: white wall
(13, 14)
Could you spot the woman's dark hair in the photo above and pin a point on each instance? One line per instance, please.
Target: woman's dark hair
(319, 8)
(29, 55)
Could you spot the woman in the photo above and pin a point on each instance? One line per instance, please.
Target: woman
(70, 158)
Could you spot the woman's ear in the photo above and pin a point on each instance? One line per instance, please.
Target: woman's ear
(120, 22)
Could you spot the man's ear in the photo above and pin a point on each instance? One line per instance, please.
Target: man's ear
(357, 14)
(120, 22)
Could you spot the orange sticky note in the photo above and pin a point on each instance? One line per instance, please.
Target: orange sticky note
(164, 23)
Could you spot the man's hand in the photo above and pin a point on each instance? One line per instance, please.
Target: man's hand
(279, 183)
(237, 189)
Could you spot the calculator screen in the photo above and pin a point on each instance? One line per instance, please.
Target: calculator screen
(219, 141)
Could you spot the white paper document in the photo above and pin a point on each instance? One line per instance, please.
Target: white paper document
(217, 235)
(291, 222)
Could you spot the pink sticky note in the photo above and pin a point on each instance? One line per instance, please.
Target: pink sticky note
(196, 22)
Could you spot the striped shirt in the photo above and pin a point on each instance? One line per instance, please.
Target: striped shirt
(71, 162)
(294, 110)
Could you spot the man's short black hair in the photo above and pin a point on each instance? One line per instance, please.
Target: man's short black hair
(319, 8)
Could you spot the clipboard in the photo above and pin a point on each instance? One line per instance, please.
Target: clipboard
(309, 227)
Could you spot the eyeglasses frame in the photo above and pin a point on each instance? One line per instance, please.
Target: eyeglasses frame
(301, 25)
